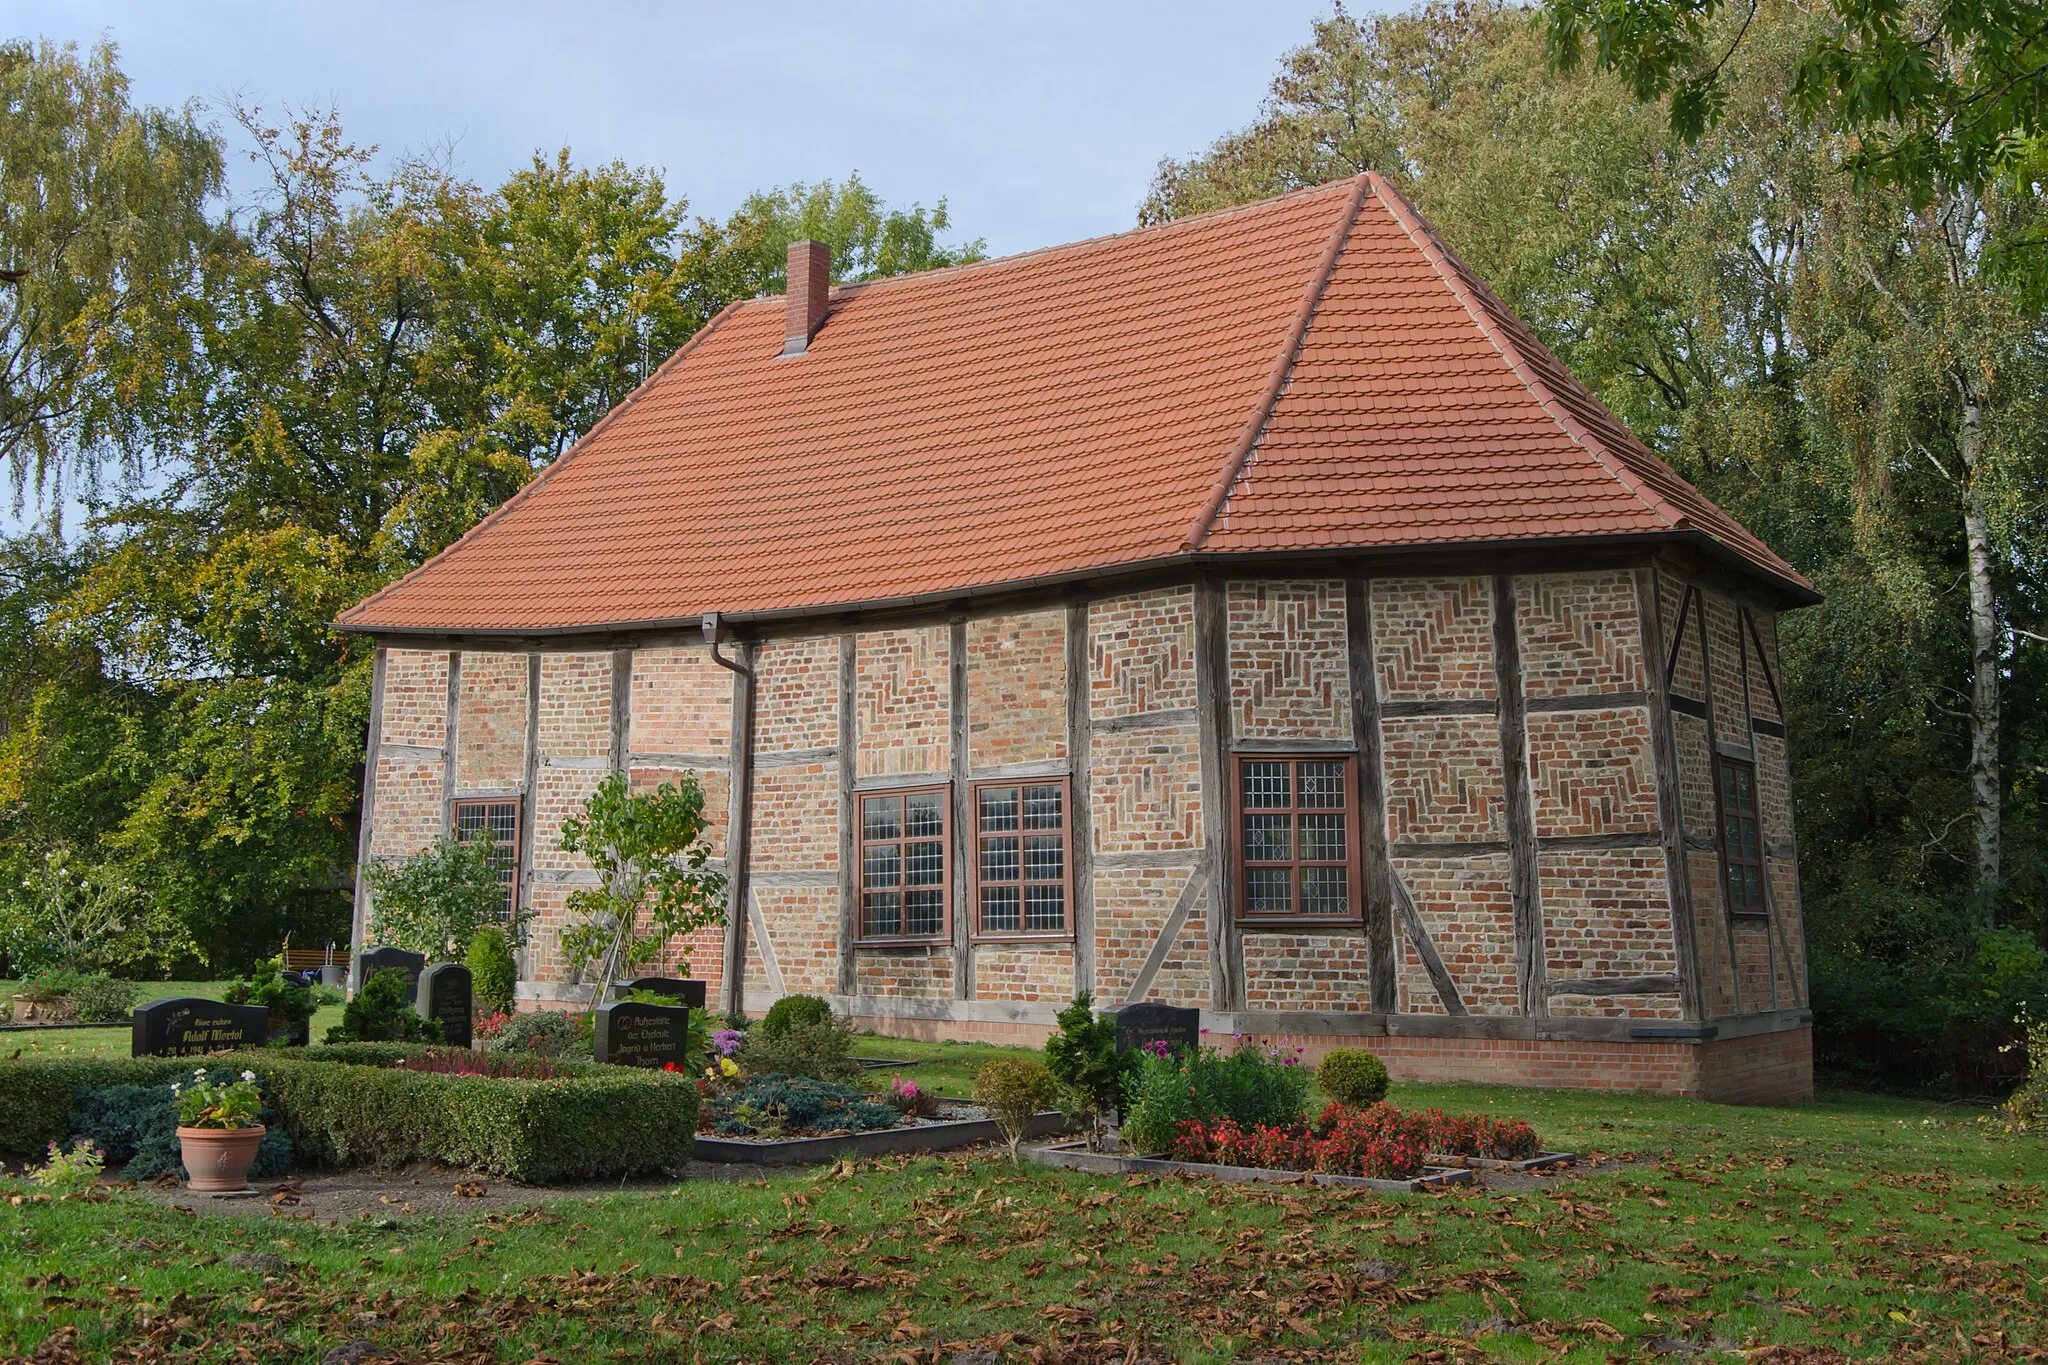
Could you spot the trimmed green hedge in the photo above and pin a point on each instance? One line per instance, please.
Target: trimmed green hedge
(348, 1105)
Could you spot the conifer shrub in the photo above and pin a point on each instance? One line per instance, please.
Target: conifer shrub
(382, 1013)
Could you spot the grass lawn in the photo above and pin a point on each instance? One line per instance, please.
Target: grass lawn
(1860, 1227)
(115, 1040)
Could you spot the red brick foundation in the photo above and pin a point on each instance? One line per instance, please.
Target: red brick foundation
(1764, 1068)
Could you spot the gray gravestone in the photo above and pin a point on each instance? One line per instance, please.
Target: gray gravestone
(185, 1027)
(1137, 1025)
(376, 960)
(632, 1034)
(444, 994)
(685, 991)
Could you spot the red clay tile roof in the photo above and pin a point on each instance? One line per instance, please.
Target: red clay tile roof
(1123, 401)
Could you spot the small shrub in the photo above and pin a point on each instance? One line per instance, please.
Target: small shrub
(492, 971)
(381, 1013)
(794, 1009)
(541, 1033)
(101, 999)
(814, 1048)
(1352, 1076)
(1013, 1089)
(71, 1172)
(770, 1105)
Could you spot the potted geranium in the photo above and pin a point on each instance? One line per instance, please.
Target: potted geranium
(217, 1130)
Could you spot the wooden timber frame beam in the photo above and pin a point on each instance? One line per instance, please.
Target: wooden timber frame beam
(1212, 706)
(1523, 888)
(1378, 891)
(738, 828)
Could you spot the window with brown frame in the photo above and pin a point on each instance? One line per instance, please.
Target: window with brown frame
(1298, 848)
(905, 865)
(1741, 842)
(499, 820)
(1023, 876)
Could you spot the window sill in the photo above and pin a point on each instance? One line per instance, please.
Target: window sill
(983, 940)
(1297, 924)
(945, 942)
(1754, 916)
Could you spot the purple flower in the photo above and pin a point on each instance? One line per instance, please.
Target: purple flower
(727, 1041)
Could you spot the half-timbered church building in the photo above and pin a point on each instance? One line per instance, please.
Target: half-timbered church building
(1246, 613)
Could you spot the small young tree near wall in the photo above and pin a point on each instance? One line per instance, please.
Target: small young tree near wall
(434, 901)
(649, 851)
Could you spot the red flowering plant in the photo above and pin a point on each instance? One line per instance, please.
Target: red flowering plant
(1477, 1135)
(1377, 1140)
(490, 1025)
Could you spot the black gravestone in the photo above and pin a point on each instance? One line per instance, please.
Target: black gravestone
(687, 992)
(185, 1027)
(445, 995)
(1137, 1025)
(381, 959)
(633, 1034)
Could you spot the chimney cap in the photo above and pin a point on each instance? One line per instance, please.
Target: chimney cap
(810, 281)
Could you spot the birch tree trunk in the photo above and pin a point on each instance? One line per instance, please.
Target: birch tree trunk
(1960, 219)
(1984, 700)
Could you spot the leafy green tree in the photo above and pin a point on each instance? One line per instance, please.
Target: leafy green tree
(437, 900)
(748, 252)
(1938, 92)
(103, 226)
(649, 852)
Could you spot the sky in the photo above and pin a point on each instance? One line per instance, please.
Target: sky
(1038, 123)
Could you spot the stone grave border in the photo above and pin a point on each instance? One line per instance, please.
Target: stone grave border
(1075, 1156)
(1538, 1162)
(925, 1137)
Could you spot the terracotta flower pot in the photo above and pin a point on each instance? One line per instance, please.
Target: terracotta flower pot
(219, 1158)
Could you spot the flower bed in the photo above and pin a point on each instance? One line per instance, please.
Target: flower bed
(1376, 1141)
(1074, 1156)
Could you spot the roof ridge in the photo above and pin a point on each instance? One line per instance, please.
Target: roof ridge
(1032, 253)
(1456, 277)
(1276, 379)
(504, 508)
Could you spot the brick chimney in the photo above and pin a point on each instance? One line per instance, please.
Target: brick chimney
(810, 270)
